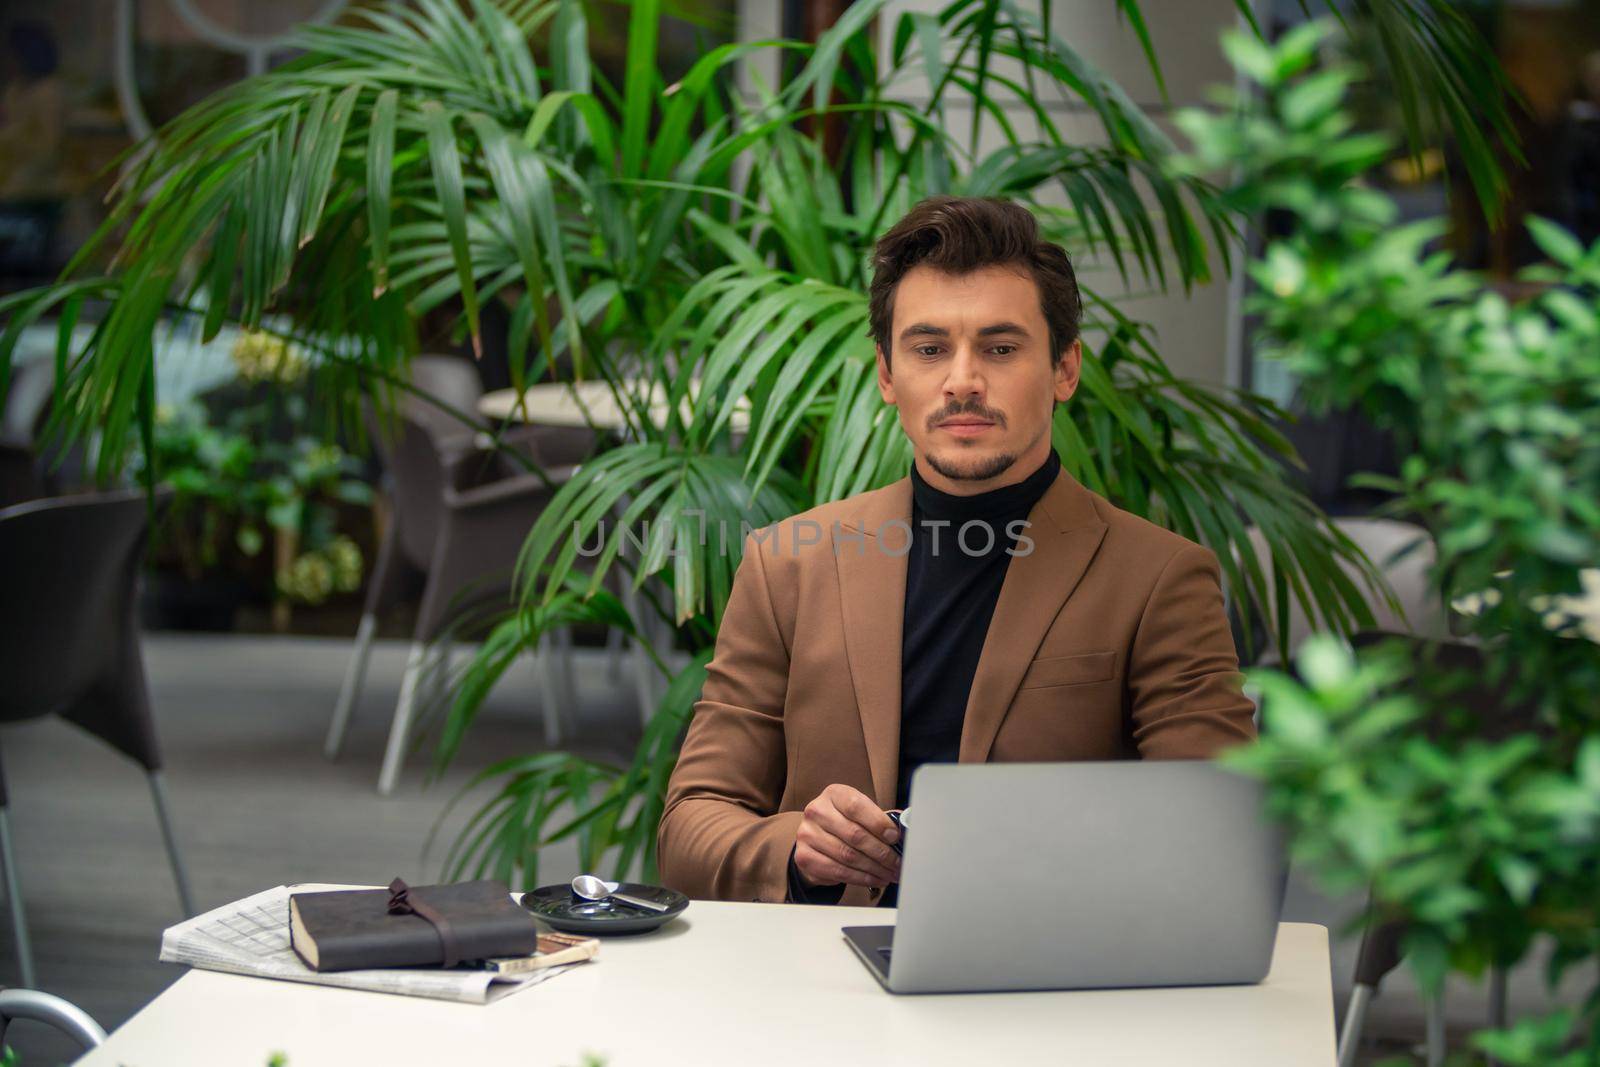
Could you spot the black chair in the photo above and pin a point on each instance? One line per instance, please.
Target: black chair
(24, 473)
(69, 644)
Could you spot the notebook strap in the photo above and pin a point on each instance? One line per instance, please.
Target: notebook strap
(402, 901)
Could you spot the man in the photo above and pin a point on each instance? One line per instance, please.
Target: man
(987, 607)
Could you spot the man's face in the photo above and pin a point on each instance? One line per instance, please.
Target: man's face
(972, 376)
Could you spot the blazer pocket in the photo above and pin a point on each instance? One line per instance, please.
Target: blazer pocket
(1070, 670)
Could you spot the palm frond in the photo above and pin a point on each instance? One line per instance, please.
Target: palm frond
(667, 505)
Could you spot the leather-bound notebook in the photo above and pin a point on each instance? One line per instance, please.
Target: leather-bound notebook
(409, 926)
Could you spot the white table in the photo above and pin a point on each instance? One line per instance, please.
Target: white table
(745, 984)
(591, 403)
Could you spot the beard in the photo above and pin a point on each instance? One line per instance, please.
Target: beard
(977, 469)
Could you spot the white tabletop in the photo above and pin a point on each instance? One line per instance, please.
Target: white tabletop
(590, 403)
(742, 984)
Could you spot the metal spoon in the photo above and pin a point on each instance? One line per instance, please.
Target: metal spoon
(589, 887)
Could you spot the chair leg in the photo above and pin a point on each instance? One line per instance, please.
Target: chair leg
(1499, 988)
(549, 689)
(355, 675)
(19, 920)
(616, 643)
(644, 684)
(439, 673)
(1437, 1047)
(158, 793)
(567, 679)
(1355, 1019)
(642, 667)
(1499, 1015)
(404, 711)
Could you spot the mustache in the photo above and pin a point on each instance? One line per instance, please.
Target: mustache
(972, 409)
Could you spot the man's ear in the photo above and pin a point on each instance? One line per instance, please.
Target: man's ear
(1068, 368)
(885, 378)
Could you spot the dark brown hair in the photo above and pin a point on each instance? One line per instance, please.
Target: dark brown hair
(960, 234)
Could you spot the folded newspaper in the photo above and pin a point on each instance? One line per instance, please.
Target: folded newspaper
(251, 936)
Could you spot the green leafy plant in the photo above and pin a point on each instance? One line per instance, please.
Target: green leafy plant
(301, 475)
(703, 238)
(235, 478)
(1483, 843)
(315, 575)
(215, 498)
(304, 480)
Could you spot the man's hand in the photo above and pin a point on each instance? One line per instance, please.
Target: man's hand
(845, 837)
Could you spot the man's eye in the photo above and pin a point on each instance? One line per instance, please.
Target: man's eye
(928, 351)
(1003, 350)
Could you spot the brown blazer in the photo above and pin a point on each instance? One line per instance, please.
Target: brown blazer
(1109, 641)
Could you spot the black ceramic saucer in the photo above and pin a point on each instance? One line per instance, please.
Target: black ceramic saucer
(561, 910)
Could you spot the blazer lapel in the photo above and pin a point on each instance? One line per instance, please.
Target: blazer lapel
(872, 595)
(1066, 532)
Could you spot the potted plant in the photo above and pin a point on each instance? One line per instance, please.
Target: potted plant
(1483, 841)
(209, 522)
(304, 479)
(313, 560)
(241, 467)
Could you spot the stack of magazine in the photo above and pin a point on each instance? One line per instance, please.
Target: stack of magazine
(251, 936)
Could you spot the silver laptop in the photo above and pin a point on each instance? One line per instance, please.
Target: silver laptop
(1024, 876)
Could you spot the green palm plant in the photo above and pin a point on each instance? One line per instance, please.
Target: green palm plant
(419, 158)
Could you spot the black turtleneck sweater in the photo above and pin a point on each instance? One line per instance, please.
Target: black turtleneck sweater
(958, 559)
(954, 571)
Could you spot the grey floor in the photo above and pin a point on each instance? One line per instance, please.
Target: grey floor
(242, 720)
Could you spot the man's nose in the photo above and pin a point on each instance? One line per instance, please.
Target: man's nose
(965, 376)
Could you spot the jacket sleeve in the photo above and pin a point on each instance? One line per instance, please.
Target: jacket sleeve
(1186, 691)
(720, 836)
(800, 893)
